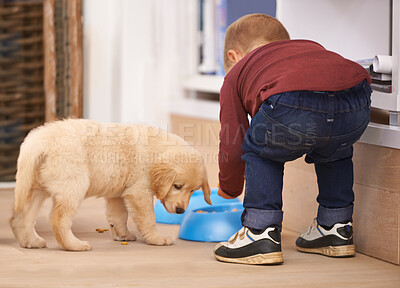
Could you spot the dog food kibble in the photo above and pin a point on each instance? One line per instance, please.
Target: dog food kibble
(234, 210)
(201, 211)
(99, 230)
(124, 243)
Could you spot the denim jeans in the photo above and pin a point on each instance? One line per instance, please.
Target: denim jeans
(323, 126)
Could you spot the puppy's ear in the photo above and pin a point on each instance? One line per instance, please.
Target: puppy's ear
(205, 187)
(162, 176)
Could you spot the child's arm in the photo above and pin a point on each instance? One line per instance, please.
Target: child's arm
(234, 124)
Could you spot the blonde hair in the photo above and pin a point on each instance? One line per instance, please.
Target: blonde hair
(250, 30)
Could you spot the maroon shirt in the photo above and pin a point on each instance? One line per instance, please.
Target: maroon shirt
(281, 66)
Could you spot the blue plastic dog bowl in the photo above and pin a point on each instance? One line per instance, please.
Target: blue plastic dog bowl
(196, 201)
(212, 224)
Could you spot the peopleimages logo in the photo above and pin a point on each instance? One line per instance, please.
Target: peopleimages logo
(127, 135)
(203, 136)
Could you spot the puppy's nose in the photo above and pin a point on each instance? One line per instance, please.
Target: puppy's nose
(180, 210)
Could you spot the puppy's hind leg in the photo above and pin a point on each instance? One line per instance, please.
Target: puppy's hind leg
(117, 216)
(61, 221)
(23, 221)
(142, 206)
(65, 205)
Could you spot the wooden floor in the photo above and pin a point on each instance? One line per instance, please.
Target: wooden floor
(185, 264)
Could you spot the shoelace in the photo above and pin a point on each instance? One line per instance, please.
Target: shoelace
(313, 226)
(239, 234)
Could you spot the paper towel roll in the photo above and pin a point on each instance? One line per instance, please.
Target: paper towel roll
(382, 64)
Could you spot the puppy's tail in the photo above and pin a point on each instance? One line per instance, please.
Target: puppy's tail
(29, 158)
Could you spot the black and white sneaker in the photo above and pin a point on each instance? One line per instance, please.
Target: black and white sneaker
(334, 242)
(246, 247)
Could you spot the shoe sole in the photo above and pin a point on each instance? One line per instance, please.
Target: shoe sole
(259, 259)
(331, 251)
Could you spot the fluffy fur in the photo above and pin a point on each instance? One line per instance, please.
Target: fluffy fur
(128, 165)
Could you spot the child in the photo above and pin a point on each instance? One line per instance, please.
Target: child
(302, 99)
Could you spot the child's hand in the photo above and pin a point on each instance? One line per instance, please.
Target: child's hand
(223, 194)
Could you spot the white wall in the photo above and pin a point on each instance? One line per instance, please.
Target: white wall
(134, 58)
(356, 29)
(99, 65)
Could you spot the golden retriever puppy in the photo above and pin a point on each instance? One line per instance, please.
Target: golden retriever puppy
(71, 160)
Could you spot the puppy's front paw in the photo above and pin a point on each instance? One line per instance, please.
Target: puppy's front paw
(128, 237)
(121, 234)
(78, 246)
(159, 240)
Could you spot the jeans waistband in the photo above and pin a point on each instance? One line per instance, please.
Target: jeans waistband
(346, 100)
